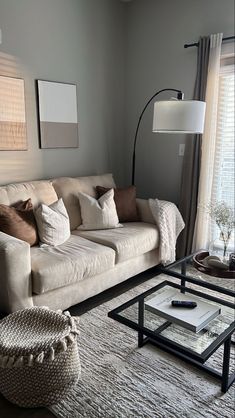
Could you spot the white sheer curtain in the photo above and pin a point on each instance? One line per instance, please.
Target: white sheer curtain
(202, 225)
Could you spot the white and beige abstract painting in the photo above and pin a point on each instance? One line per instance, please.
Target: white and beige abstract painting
(57, 112)
(12, 114)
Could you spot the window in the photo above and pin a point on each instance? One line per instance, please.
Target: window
(224, 165)
(216, 183)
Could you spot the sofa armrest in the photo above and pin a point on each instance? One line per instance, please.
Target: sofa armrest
(144, 211)
(15, 274)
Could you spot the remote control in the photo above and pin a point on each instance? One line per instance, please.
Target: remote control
(183, 304)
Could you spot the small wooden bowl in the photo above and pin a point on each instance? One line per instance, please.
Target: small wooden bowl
(212, 271)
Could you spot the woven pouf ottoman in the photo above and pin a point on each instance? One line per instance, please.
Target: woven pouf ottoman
(39, 360)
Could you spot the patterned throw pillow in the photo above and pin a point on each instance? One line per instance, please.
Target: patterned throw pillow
(53, 223)
(125, 200)
(98, 214)
(19, 222)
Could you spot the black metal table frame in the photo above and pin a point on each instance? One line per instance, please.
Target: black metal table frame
(154, 337)
(182, 276)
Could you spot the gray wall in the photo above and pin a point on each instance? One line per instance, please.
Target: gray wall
(156, 59)
(80, 41)
(116, 53)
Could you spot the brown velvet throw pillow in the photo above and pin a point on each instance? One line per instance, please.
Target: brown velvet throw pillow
(19, 222)
(125, 200)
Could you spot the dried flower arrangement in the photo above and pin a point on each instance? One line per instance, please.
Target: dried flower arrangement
(223, 215)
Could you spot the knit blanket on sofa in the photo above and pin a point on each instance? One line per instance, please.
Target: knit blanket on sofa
(170, 224)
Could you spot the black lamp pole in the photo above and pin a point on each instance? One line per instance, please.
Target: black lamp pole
(179, 97)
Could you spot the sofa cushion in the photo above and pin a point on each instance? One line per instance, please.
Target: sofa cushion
(133, 239)
(68, 188)
(125, 201)
(38, 191)
(75, 260)
(98, 214)
(19, 222)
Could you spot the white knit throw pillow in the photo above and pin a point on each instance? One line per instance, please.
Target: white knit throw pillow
(98, 214)
(53, 223)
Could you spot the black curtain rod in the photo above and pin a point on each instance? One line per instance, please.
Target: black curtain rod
(197, 43)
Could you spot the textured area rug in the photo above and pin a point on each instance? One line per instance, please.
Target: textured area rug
(120, 380)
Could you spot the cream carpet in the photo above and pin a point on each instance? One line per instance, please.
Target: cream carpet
(120, 380)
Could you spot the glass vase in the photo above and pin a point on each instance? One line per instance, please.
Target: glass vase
(221, 247)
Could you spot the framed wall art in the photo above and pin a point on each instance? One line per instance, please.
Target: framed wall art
(57, 114)
(12, 114)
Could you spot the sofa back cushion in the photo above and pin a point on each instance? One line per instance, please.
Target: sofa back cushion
(38, 191)
(68, 188)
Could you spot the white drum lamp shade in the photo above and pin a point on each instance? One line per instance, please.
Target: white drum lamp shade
(179, 116)
(176, 116)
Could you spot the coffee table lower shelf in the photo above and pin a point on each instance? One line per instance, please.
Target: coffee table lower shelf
(226, 379)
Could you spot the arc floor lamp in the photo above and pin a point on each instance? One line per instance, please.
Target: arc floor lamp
(173, 116)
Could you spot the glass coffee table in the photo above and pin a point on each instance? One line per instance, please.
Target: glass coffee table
(194, 348)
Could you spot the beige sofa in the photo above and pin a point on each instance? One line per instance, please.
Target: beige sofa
(85, 265)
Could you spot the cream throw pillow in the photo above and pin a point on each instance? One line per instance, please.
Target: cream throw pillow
(98, 214)
(53, 223)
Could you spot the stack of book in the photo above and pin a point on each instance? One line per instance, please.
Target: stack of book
(193, 319)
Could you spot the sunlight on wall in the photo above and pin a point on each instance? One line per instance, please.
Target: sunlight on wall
(17, 166)
(8, 65)
(12, 114)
